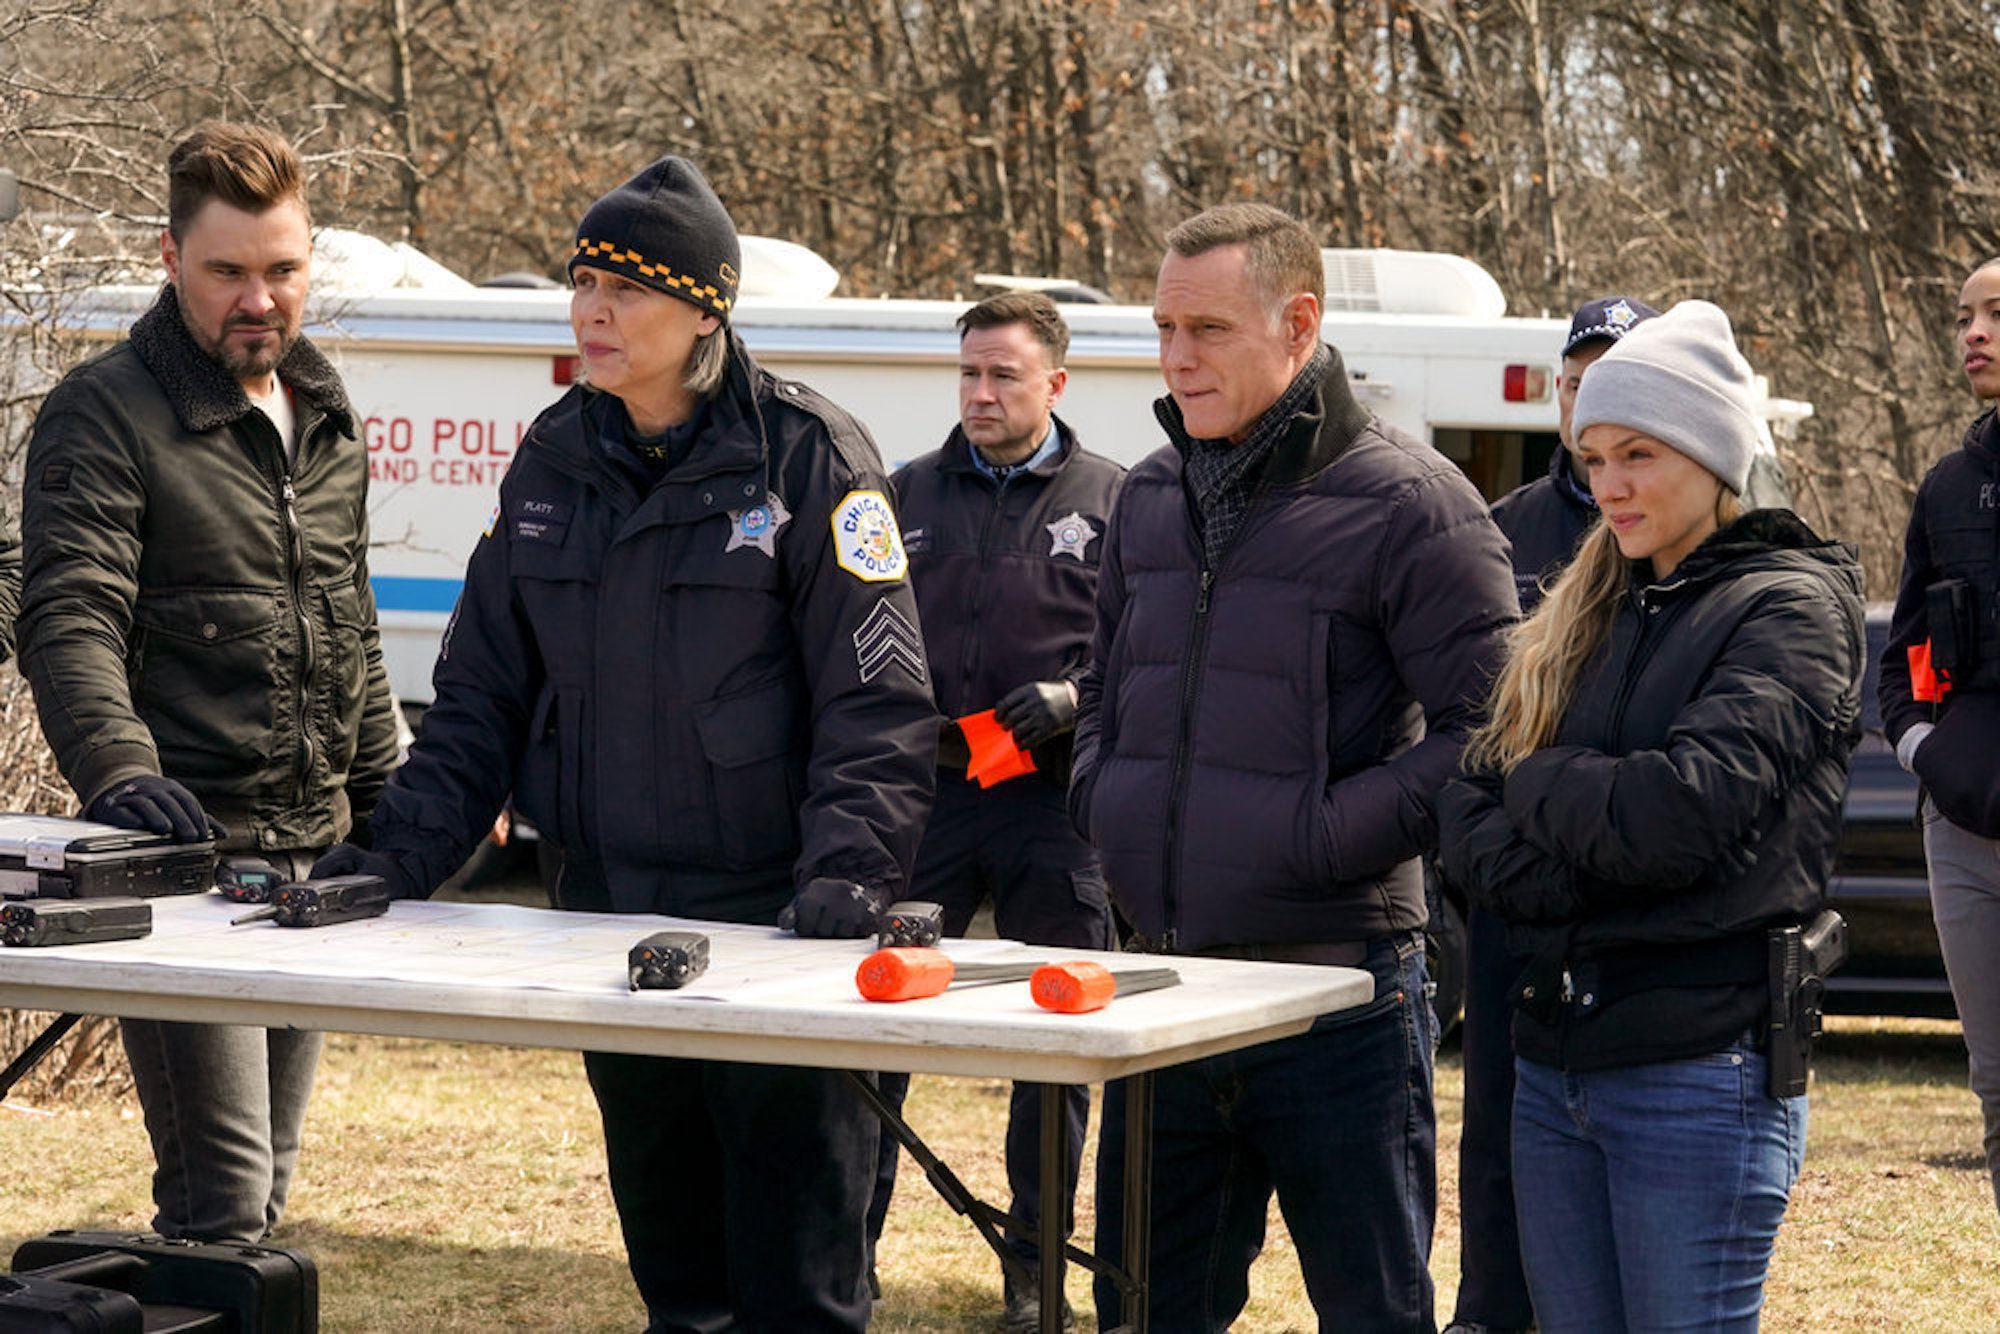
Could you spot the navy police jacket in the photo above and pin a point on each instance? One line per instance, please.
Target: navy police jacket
(1953, 537)
(1259, 744)
(705, 694)
(1544, 520)
(1006, 574)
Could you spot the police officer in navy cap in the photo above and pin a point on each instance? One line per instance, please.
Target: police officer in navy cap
(1544, 520)
(688, 647)
(1004, 525)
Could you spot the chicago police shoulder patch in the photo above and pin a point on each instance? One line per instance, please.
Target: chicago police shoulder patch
(866, 541)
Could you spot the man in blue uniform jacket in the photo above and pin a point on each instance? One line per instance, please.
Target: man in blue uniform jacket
(1003, 526)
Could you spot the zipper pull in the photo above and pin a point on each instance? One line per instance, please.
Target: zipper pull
(1207, 582)
(1569, 986)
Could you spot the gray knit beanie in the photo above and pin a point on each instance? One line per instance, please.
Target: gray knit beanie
(1678, 378)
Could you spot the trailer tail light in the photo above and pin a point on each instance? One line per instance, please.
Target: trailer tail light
(563, 370)
(1526, 384)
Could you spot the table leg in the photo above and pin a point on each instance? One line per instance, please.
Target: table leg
(33, 1053)
(1055, 1172)
(1138, 1198)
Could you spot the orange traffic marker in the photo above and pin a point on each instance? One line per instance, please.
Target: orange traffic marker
(1083, 986)
(911, 973)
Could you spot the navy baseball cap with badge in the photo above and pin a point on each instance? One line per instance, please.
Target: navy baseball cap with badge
(666, 229)
(1607, 319)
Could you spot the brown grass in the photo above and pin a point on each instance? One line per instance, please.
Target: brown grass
(451, 1187)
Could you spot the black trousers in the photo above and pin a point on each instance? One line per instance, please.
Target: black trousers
(1492, 1290)
(742, 1190)
(1012, 843)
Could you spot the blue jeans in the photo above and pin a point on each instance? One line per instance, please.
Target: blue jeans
(1650, 1196)
(1338, 1121)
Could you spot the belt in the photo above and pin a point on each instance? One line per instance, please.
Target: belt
(1326, 953)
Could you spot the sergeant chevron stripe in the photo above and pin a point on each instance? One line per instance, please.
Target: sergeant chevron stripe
(886, 639)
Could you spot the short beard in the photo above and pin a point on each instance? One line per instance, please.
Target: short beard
(242, 363)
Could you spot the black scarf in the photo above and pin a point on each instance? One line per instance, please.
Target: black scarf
(1222, 478)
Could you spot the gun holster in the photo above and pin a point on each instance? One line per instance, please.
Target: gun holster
(1954, 634)
(1801, 958)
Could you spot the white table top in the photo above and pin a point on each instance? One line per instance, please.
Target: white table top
(534, 977)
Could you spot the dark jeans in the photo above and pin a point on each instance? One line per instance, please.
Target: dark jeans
(1338, 1121)
(742, 1191)
(225, 1106)
(1492, 1290)
(1012, 843)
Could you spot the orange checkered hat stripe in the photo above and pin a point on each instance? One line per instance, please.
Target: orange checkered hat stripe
(665, 228)
(603, 254)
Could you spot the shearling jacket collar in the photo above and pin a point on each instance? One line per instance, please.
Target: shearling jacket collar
(204, 395)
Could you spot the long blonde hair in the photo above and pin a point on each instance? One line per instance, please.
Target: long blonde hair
(1547, 652)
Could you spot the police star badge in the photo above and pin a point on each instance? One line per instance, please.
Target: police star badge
(1070, 535)
(758, 527)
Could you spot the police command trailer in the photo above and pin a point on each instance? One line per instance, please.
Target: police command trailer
(448, 376)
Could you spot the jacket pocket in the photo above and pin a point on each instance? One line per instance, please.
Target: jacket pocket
(207, 672)
(548, 788)
(343, 667)
(756, 771)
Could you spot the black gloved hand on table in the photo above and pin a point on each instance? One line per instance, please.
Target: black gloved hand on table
(159, 806)
(832, 909)
(346, 859)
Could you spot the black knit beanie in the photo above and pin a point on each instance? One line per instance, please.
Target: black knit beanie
(665, 228)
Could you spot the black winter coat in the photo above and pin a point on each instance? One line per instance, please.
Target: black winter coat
(1259, 744)
(1006, 575)
(1954, 534)
(1691, 800)
(1544, 520)
(194, 602)
(706, 694)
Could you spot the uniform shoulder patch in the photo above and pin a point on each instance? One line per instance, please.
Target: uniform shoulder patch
(866, 540)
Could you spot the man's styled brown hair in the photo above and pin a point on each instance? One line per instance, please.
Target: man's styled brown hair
(245, 166)
(1030, 308)
(1282, 256)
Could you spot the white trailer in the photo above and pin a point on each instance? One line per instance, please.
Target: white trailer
(448, 377)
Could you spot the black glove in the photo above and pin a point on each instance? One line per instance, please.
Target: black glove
(346, 859)
(157, 805)
(828, 909)
(1037, 712)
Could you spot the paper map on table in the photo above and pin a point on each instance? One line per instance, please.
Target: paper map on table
(504, 946)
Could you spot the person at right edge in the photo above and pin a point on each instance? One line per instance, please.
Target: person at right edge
(1659, 785)
(689, 649)
(1543, 521)
(1299, 608)
(1940, 694)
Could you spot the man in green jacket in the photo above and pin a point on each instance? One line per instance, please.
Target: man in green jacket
(197, 625)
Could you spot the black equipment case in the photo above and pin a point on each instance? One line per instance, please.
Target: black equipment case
(181, 1286)
(47, 856)
(33, 1305)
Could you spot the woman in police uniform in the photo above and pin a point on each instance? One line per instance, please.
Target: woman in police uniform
(688, 648)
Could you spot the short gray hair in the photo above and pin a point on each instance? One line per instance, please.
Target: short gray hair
(707, 363)
(1282, 257)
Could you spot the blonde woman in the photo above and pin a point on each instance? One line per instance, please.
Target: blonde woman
(1659, 782)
